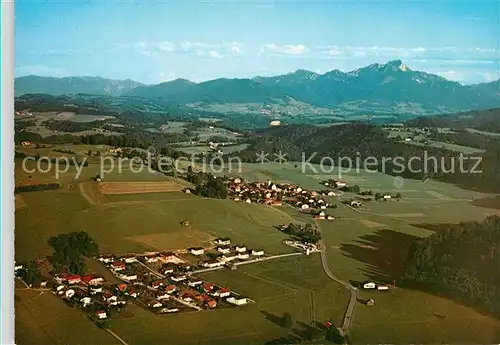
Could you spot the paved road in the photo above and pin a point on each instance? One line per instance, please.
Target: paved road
(203, 270)
(117, 337)
(353, 299)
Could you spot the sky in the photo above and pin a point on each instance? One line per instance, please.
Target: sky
(156, 41)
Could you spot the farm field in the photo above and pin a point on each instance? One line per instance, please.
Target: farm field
(133, 226)
(42, 318)
(138, 187)
(274, 293)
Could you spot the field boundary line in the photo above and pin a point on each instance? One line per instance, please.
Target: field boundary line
(117, 337)
(85, 195)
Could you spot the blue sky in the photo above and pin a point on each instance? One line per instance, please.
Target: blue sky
(155, 41)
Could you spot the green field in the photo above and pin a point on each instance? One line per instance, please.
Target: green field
(42, 318)
(296, 285)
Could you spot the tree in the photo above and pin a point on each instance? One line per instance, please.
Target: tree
(378, 196)
(333, 334)
(98, 153)
(287, 320)
(89, 153)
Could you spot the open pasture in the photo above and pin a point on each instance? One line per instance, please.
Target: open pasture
(42, 318)
(304, 291)
(138, 187)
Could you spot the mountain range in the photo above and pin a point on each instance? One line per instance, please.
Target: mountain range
(378, 88)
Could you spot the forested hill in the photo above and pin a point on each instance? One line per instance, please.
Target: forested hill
(484, 120)
(359, 140)
(461, 261)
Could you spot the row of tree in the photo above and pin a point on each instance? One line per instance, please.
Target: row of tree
(307, 233)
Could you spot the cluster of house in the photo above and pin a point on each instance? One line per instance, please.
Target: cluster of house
(373, 286)
(191, 291)
(28, 144)
(92, 293)
(116, 150)
(274, 194)
(225, 253)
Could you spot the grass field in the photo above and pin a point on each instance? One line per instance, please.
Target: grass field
(129, 226)
(42, 318)
(138, 187)
(296, 285)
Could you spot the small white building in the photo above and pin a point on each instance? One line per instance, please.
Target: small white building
(241, 249)
(86, 301)
(224, 250)
(237, 300)
(243, 256)
(387, 196)
(213, 264)
(369, 285)
(197, 251)
(129, 259)
(101, 314)
(178, 278)
(382, 287)
(304, 206)
(69, 293)
(257, 252)
(195, 282)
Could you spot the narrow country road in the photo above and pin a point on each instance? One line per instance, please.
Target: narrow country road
(117, 337)
(353, 299)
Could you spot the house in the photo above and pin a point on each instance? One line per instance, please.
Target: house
(109, 297)
(187, 190)
(229, 257)
(304, 206)
(151, 258)
(382, 287)
(257, 252)
(194, 282)
(224, 250)
(222, 292)
(18, 267)
(223, 241)
(101, 314)
(169, 310)
(170, 288)
(188, 296)
(155, 304)
(197, 251)
(387, 196)
(86, 301)
(207, 287)
(73, 279)
(91, 280)
(243, 256)
(355, 203)
(156, 284)
(106, 258)
(129, 259)
(121, 287)
(213, 263)
(96, 289)
(132, 293)
(127, 277)
(28, 144)
(178, 278)
(116, 150)
(369, 285)
(169, 268)
(370, 302)
(162, 295)
(237, 301)
(212, 303)
(240, 249)
(118, 266)
(43, 284)
(170, 257)
(69, 293)
(340, 184)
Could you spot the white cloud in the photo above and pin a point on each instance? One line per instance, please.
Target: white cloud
(40, 70)
(214, 50)
(467, 76)
(214, 54)
(287, 49)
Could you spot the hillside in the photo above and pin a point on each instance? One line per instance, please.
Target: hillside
(72, 85)
(461, 261)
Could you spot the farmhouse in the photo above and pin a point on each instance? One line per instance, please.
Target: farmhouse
(207, 287)
(95, 289)
(151, 258)
(229, 257)
(355, 203)
(156, 284)
(382, 287)
(387, 196)
(162, 295)
(211, 303)
(369, 285)
(340, 184)
(69, 293)
(370, 302)
(28, 144)
(127, 277)
(86, 301)
(197, 251)
(243, 256)
(155, 304)
(18, 267)
(237, 301)
(106, 258)
(169, 310)
(132, 293)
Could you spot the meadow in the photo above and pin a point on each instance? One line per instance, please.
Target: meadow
(275, 286)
